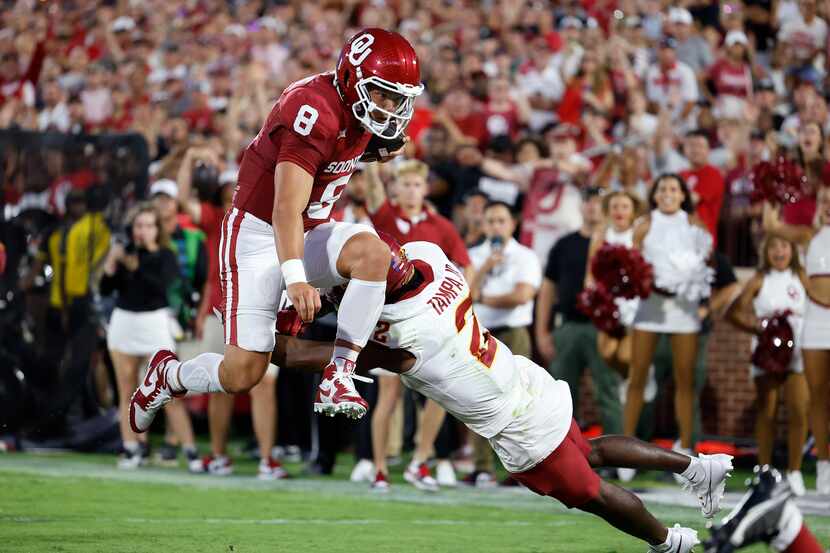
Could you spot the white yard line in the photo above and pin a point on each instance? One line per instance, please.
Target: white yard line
(679, 506)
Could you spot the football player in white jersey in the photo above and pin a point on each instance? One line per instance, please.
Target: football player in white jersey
(430, 335)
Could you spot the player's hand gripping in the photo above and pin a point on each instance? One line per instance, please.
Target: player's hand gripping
(305, 299)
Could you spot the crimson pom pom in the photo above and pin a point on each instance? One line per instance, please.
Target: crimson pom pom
(622, 272)
(2, 259)
(289, 322)
(774, 351)
(780, 181)
(598, 305)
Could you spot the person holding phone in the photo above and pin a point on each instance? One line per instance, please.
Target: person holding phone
(141, 271)
(505, 280)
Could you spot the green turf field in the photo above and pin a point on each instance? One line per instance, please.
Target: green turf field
(82, 503)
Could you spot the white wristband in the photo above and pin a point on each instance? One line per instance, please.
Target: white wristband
(293, 271)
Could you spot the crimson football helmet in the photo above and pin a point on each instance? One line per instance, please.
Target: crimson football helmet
(399, 267)
(377, 59)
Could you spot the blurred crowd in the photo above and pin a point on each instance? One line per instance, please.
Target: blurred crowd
(533, 112)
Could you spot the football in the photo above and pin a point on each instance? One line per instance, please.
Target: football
(380, 148)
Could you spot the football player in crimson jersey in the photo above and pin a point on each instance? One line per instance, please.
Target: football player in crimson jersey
(432, 337)
(279, 234)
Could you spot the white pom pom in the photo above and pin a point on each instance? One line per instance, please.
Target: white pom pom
(685, 273)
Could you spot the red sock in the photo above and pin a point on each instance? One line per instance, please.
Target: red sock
(804, 542)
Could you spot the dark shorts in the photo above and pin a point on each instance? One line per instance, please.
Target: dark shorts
(565, 474)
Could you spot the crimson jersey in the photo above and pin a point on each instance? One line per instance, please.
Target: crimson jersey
(311, 127)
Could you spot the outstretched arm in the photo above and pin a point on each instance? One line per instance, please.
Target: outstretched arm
(314, 355)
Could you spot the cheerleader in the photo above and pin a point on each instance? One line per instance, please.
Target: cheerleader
(620, 209)
(777, 287)
(815, 340)
(677, 245)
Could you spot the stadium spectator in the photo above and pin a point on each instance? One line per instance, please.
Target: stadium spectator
(671, 84)
(73, 252)
(572, 347)
(692, 49)
(505, 280)
(704, 180)
(140, 272)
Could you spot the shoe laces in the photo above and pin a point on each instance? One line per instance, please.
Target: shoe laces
(345, 370)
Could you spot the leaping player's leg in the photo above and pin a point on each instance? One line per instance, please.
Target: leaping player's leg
(705, 475)
(251, 286)
(336, 253)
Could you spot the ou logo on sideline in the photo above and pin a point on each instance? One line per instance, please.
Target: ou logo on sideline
(360, 49)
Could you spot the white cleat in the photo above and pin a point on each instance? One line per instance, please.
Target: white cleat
(680, 540)
(363, 471)
(709, 490)
(445, 474)
(796, 482)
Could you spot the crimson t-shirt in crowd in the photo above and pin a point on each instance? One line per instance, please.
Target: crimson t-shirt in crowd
(731, 79)
(800, 213)
(500, 123)
(428, 227)
(473, 125)
(707, 183)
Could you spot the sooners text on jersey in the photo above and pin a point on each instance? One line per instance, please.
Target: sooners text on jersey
(311, 127)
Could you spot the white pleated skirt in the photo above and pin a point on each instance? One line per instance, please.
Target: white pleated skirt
(140, 332)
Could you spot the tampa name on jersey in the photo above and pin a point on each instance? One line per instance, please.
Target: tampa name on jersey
(347, 166)
(448, 291)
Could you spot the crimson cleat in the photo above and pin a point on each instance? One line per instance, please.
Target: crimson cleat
(153, 393)
(336, 392)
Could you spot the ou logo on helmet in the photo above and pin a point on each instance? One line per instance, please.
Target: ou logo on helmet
(360, 49)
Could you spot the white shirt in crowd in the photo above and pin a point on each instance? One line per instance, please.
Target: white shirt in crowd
(520, 265)
(672, 88)
(804, 38)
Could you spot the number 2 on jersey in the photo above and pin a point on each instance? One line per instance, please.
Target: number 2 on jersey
(486, 353)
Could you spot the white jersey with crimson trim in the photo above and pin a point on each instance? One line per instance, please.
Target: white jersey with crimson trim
(459, 364)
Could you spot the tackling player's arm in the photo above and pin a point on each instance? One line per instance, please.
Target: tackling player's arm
(313, 356)
(292, 189)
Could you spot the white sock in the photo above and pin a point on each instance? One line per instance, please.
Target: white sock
(789, 525)
(200, 374)
(358, 314)
(131, 447)
(694, 472)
